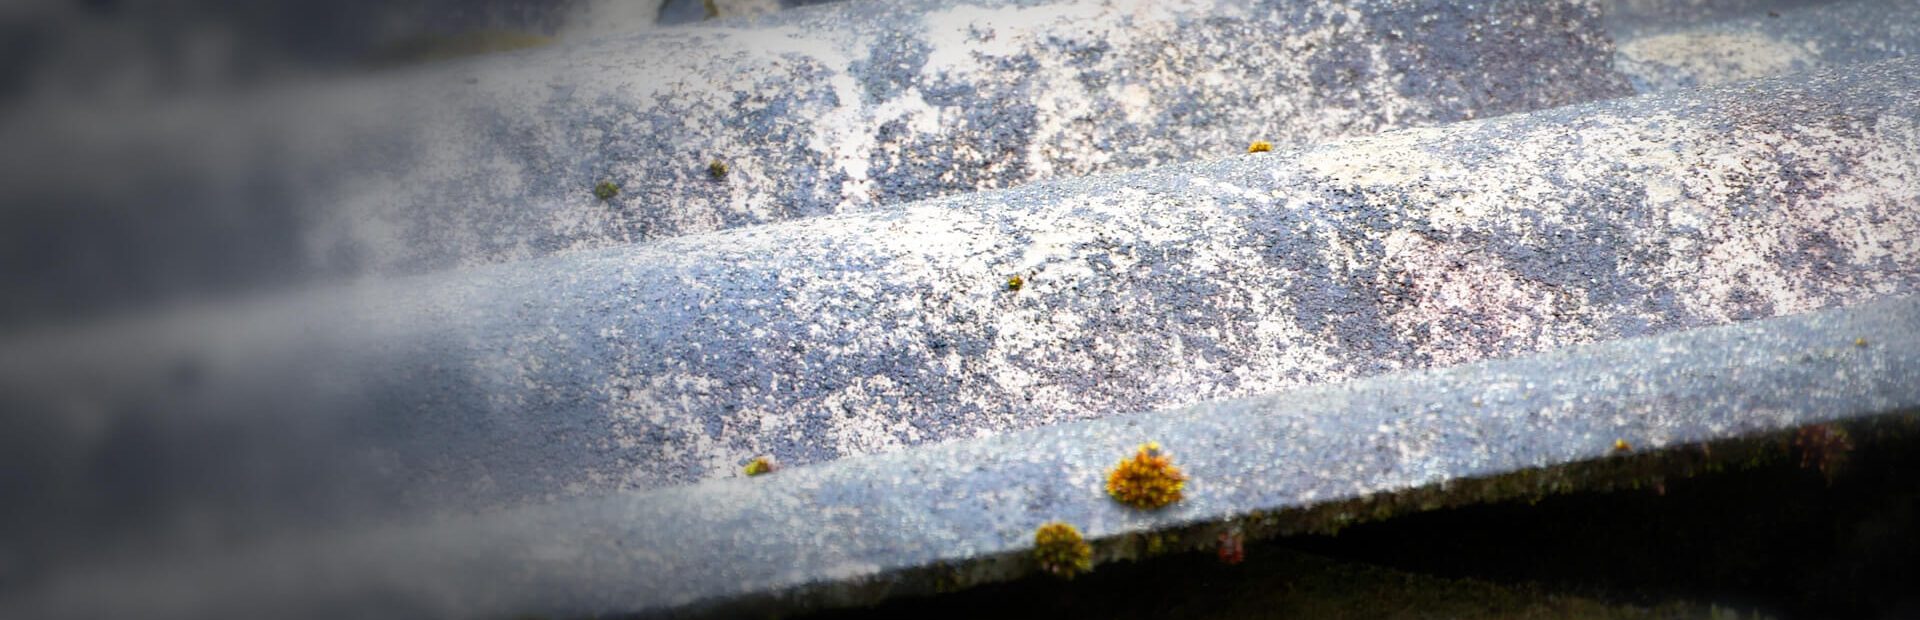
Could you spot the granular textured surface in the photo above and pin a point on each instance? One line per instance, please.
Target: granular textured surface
(527, 333)
(855, 530)
(1657, 52)
(814, 110)
(672, 362)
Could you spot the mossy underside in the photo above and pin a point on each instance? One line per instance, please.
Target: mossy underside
(1648, 471)
(1355, 558)
(1273, 582)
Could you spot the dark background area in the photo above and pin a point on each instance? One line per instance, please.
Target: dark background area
(88, 49)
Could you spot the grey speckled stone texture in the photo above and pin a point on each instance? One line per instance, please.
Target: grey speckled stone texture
(816, 110)
(844, 530)
(666, 363)
(1759, 40)
(1636, 14)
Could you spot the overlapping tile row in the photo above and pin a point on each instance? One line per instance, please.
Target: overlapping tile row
(962, 513)
(812, 111)
(1419, 248)
(1660, 50)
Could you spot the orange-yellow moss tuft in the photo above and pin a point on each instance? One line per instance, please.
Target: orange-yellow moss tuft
(1260, 146)
(1148, 480)
(1621, 445)
(759, 465)
(1014, 282)
(1061, 551)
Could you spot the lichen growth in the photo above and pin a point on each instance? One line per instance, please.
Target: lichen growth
(1014, 282)
(1147, 480)
(717, 169)
(1621, 445)
(759, 465)
(1061, 551)
(606, 190)
(1860, 342)
(1260, 146)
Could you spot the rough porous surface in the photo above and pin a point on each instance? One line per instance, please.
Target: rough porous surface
(673, 362)
(1685, 13)
(827, 235)
(1790, 38)
(851, 531)
(813, 110)
(863, 333)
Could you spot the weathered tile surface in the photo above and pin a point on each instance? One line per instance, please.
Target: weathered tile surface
(621, 370)
(667, 363)
(1658, 51)
(844, 532)
(815, 110)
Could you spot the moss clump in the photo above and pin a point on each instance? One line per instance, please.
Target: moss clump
(759, 465)
(717, 169)
(1147, 480)
(606, 190)
(1260, 146)
(1621, 445)
(1061, 551)
(1014, 282)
